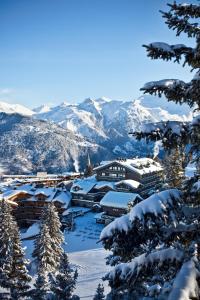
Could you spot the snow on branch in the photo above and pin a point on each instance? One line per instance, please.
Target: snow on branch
(121, 224)
(197, 75)
(186, 9)
(162, 84)
(166, 86)
(185, 284)
(126, 272)
(167, 52)
(181, 24)
(196, 186)
(157, 204)
(176, 90)
(174, 127)
(171, 133)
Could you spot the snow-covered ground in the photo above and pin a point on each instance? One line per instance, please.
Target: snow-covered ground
(85, 235)
(91, 268)
(85, 254)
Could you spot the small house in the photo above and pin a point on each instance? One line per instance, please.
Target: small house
(115, 204)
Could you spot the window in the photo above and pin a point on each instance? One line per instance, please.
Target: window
(113, 175)
(103, 174)
(122, 175)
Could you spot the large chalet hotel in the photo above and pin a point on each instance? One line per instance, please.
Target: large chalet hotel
(142, 175)
(118, 184)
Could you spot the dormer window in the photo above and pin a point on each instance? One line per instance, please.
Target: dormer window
(76, 188)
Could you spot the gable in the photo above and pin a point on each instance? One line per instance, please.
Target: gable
(112, 166)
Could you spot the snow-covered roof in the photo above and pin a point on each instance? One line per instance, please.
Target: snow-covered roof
(103, 184)
(9, 201)
(138, 165)
(83, 186)
(76, 209)
(129, 182)
(26, 187)
(99, 215)
(11, 193)
(47, 191)
(63, 197)
(118, 199)
(52, 194)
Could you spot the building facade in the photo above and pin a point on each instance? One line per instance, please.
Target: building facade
(141, 175)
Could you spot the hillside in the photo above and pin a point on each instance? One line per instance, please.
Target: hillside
(29, 145)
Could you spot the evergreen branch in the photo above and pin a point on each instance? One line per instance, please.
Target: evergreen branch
(186, 282)
(168, 52)
(171, 133)
(181, 24)
(175, 90)
(126, 275)
(190, 10)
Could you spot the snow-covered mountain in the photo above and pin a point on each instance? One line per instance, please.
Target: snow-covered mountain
(42, 109)
(109, 122)
(29, 145)
(57, 139)
(15, 108)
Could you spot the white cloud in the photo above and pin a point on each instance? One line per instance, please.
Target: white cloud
(5, 91)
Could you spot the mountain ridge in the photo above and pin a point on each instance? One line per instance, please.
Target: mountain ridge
(58, 139)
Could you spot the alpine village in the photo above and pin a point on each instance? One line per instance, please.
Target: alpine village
(119, 227)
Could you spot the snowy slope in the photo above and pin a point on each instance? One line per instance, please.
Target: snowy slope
(95, 118)
(29, 145)
(91, 268)
(100, 126)
(42, 109)
(108, 122)
(84, 254)
(75, 118)
(15, 108)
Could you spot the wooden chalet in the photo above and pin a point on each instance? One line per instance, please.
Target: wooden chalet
(141, 175)
(88, 192)
(29, 204)
(115, 204)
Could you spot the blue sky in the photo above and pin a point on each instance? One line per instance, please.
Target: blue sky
(67, 50)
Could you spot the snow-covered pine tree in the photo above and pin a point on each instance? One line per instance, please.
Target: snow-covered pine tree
(173, 168)
(48, 245)
(6, 238)
(41, 287)
(43, 252)
(63, 284)
(99, 293)
(51, 219)
(156, 246)
(18, 278)
(89, 168)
